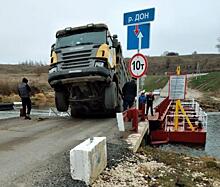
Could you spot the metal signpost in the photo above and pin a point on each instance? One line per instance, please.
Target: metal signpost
(177, 91)
(177, 87)
(140, 16)
(137, 67)
(138, 37)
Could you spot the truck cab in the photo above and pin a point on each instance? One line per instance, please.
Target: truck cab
(87, 70)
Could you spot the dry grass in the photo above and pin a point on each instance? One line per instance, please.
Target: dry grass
(9, 83)
(161, 64)
(42, 93)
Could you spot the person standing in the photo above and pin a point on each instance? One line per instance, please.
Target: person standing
(129, 93)
(142, 100)
(150, 99)
(24, 91)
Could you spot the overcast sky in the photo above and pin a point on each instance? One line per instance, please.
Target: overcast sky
(28, 27)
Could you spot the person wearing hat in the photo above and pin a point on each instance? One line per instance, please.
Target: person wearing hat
(24, 91)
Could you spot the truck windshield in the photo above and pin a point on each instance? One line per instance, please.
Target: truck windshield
(85, 38)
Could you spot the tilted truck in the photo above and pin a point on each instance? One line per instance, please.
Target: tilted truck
(87, 70)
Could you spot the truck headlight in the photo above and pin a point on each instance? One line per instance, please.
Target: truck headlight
(99, 64)
(52, 70)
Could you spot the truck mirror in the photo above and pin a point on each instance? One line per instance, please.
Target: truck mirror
(52, 49)
(52, 46)
(115, 42)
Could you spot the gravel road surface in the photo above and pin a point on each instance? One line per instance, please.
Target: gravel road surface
(36, 152)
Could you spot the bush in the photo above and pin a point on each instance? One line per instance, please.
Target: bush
(8, 88)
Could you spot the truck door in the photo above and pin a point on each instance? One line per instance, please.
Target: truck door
(112, 55)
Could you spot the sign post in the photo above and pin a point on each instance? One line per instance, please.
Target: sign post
(137, 67)
(138, 38)
(177, 91)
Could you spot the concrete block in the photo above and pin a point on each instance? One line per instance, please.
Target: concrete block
(88, 159)
(134, 140)
(120, 122)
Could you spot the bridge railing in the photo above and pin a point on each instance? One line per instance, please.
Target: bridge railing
(132, 115)
(198, 121)
(162, 108)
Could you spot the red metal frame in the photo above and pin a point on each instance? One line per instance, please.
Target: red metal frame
(160, 135)
(132, 114)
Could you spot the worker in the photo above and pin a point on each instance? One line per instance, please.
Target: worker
(142, 100)
(129, 92)
(24, 91)
(150, 99)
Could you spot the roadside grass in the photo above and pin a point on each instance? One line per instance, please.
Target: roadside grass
(153, 82)
(206, 83)
(9, 83)
(210, 86)
(42, 93)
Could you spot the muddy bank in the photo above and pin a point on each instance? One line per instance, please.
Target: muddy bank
(210, 104)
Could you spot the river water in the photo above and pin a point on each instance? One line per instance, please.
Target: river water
(212, 147)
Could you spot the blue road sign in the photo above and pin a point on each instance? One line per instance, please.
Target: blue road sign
(139, 16)
(138, 36)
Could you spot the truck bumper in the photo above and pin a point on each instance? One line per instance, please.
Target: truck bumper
(75, 76)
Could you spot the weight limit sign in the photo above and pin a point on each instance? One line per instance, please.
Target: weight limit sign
(138, 65)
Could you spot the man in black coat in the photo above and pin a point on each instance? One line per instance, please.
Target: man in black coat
(129, 91)
(150, 99)
(24, 91)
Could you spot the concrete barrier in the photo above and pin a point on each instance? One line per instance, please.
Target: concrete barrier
(134, 140)
(88, 159)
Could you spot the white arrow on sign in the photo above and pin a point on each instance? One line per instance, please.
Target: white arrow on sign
(140, 36)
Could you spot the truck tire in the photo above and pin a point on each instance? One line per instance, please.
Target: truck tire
(61, 101)
(111, 96)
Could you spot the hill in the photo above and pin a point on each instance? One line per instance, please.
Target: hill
(189, 63)
(209, 85)
(153, 82)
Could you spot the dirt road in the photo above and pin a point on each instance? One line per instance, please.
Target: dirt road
(27, 145)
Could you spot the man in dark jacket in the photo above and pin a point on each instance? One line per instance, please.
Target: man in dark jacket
(150, 99)
(142, 100)
(24, 91)
(129, 91)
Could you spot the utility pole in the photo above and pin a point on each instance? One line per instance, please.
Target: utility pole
(218, 45)
(197, 69)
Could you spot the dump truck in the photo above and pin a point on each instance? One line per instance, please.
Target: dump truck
(87, 70)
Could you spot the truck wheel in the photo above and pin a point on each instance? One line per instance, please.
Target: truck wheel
(61, 101)
(111, 96)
